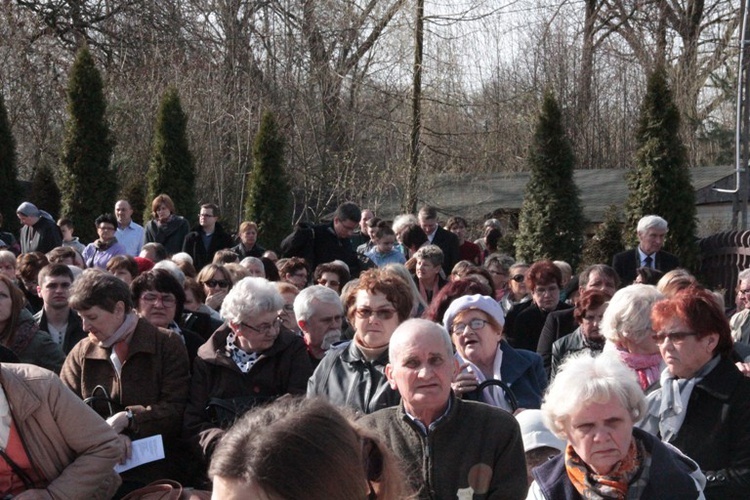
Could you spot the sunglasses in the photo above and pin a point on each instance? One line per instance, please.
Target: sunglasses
(381, 314)
(518, 278)
(214, 283)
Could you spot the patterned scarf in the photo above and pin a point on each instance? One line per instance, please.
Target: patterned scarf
(610, 486)
(646, 366)
(243, 360)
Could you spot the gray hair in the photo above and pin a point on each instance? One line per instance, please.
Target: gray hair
(182, 257)
(250, 297)
(628, 315)
(307, 299)
(248, 262)
(402, 221)
(503, 261)
(652, 222)
(403, 332)
(432, 253)
(173, 269)
(744, 275)
(601, 269)
(584, 379)
(493, 223)
(7, 257)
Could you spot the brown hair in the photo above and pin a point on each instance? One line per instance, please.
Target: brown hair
(29, 264)
(247, 225)
(195, 287)
(59, 254)
(306, 448)
(97, 288)
(209, 271)
(8, 333)
(125, 262)
(162, 199)
(395, 290)
(543, 272)
(589, 300)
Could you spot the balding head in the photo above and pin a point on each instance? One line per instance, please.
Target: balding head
(422, 328)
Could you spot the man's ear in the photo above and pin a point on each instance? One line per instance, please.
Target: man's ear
(39, 291)
(389, 376)
(302, 324)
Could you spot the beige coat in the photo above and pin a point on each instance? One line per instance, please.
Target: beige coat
(67, 442)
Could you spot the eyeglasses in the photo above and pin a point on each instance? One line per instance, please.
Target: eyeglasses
(676, 338)
(263, 329)
(152, 298)
(474, 325)
(288, 307)
(541, 290)
(744, 292)
(328, 282)
(214, 283)
(518, 278)
(206, 215)
(381, 314)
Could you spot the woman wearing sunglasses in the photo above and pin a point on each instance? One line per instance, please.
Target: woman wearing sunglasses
(250, 361)
(353, 373)
(475, 323)
(216, 283)
(703, 405)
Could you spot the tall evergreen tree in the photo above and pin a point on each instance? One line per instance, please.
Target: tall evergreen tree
(45, 193)
(10, 192)
(606, 242)
(551, 221)
(89, 185)
(171, 169)
(660, 183)
(267, 201)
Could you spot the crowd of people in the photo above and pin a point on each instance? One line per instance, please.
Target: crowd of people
(362, 358)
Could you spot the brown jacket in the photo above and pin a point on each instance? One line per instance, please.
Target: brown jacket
(155, 375)
(69, 445)
(282, 369)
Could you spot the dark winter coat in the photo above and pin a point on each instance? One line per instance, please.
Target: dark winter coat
(171, 235)
(201, 255)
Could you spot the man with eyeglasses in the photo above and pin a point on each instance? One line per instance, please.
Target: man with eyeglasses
(319, 314)
(207, 238)
(327, 242)
(56, 317)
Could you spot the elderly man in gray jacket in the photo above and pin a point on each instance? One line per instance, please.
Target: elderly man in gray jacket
(451, 448)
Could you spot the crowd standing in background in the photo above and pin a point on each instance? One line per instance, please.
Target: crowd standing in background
(415, 350)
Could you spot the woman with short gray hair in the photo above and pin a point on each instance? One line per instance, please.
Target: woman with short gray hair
(594, 403)
(250, 360)
(627, 327)
(429, 264)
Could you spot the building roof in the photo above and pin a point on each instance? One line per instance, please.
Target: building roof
(477, 196)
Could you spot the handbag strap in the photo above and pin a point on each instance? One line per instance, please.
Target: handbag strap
(105, 397)
(509, 396)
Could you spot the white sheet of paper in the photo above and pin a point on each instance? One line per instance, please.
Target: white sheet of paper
(145, 450)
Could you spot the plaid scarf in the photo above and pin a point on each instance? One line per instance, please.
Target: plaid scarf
(610, 486)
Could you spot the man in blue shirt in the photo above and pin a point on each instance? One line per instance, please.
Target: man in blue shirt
(128, 233)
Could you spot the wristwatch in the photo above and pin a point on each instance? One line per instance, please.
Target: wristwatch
(131, 417)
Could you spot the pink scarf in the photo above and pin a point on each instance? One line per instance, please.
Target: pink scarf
(646, 366)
